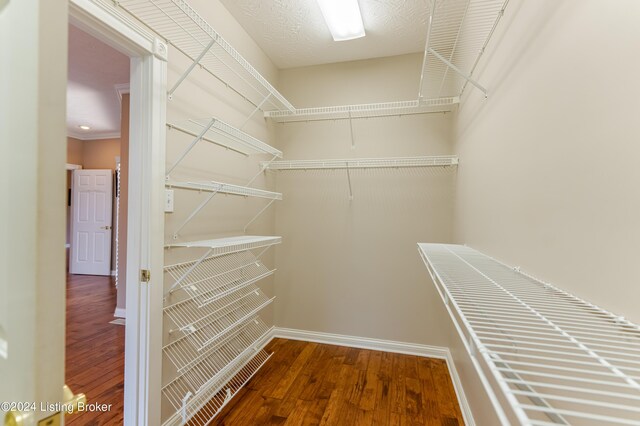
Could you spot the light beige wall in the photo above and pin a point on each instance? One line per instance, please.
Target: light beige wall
(548, 176)
(352, 267)
(548, 162)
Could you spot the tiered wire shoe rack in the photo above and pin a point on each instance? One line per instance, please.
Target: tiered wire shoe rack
(212, 302)
(545, 356)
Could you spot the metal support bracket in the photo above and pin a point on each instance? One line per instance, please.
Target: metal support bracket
(191, 67)
(190, 147)
(425, 60)
(257, 108)
(258, 215)
(194, 213)
(459, 71)
(188, 271)
(353, 142)
(349, 179)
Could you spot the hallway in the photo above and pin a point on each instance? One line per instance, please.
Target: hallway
(95, 348)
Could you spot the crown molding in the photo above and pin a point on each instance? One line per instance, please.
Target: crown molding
(121, 89)
(92, 135)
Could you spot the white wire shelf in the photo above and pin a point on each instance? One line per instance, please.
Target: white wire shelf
(383, 109)
(202, 390)
(555, 358)
(222, 246)
(458, 32)
(225, 188)
(205, 325)
(207, 280)
(181, 26)
(219, 133)
(365, 163)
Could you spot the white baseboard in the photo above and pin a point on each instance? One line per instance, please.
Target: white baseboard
(120, 313)
(438, 352)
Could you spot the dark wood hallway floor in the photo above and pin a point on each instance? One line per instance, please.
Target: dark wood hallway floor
(313, 384)
(95, 348)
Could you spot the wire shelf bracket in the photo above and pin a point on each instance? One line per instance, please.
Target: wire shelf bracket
(553, 357)
(181, 26)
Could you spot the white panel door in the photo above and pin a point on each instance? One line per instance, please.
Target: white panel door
(91, 204)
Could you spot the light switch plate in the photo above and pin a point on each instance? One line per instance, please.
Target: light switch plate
(168, 200)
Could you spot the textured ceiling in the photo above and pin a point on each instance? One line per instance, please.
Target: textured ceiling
(293, 33)
(94, 70)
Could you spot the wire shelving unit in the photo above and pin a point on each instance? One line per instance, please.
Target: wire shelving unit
(225, 188)
(206, 385)
(219, 133)
(211, 305)
(212, 278)
(553, 357)
(349, 164)
(458, 32)
(227, 245)
(348, 112)
(365, 163)
(182, 27)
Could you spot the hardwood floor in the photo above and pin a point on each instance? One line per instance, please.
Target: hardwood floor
(313, 384)
(95, 348)
(302, 384)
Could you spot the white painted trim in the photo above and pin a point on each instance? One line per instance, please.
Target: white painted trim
(111, 25)
(363, 343)
(121, 89)
(143, 331)
(71, 166)
(438, 352)
(120, 313)
(92, 136)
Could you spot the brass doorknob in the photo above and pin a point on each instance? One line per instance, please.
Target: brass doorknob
(16, 418)
(72, 401)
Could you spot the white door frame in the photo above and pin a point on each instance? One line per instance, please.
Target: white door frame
(143, 336)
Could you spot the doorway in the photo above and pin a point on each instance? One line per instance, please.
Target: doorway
(139, 190)
(97, 140)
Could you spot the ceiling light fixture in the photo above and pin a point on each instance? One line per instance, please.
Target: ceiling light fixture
(84, 127)
(343, 18)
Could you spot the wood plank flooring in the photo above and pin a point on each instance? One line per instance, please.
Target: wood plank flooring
(313, 384)
(95, 348)
(302, 384)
